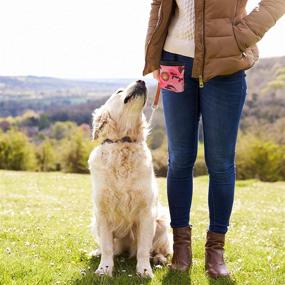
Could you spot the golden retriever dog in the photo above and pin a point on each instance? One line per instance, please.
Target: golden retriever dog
(127, 213)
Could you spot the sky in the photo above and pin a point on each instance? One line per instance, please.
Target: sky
(86, 39)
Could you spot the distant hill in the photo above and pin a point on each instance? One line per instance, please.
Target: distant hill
(53, 95)
(263, 72)
(41, 94)
(53, 84)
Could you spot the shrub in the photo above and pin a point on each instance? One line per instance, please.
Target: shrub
(156, 138)
(46, 156)
(160, 161)
(16, 152)
(200, 167)
(256, 157)
(262, 159)
(75, 153)
(61, 130)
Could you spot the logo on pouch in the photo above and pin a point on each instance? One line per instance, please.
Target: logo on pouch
(165, 76)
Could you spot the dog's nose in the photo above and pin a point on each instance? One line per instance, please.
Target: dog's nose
(140, 82)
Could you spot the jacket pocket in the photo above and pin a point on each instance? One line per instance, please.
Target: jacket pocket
(236, 40)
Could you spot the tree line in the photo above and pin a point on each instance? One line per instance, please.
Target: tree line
(66, 147)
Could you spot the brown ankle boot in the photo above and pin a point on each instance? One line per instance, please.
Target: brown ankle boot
(182, 250)
(214, 258)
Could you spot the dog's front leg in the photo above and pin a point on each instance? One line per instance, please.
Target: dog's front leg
(145, 236)
(106, 245)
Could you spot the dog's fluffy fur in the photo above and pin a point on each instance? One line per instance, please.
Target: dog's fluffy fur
(127, 212)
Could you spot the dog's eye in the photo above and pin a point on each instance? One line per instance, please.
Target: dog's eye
(119, 91)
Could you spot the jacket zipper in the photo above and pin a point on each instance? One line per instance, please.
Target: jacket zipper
(201, 83)
(155, 30)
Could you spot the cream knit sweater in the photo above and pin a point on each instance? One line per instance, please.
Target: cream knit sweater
(180, 37)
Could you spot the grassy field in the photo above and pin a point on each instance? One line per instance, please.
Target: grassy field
(45, 236)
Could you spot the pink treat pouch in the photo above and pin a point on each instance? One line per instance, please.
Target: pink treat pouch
(172, 76)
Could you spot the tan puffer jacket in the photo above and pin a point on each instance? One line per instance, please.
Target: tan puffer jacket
(225, 36)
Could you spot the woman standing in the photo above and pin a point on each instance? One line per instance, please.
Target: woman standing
(199, 50)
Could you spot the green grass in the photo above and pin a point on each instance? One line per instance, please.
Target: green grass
(45, 235)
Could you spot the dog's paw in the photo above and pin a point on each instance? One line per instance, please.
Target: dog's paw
(104, 269)
(144, 270)
(95, 253)
(160, 259)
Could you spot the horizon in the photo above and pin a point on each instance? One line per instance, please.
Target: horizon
(36, 44)
(146, 78)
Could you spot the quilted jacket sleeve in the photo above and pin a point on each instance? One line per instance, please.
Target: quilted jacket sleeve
(153, 18)
(253, 26)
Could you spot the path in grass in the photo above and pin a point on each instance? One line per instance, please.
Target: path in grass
(44, 234)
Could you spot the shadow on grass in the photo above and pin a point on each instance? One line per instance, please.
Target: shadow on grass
(124, 273)
(221, 281)
(176, 277)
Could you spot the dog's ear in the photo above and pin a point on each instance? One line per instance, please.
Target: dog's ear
(100, 119)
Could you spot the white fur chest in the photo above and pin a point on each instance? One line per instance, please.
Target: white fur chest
(123, 181)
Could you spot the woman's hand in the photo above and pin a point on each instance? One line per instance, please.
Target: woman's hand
(156, 74)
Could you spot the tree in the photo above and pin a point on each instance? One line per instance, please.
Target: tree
(45, 155)
(76, 152)
(61, 130)
(16, 152)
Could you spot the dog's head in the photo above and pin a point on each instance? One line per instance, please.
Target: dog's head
(122, 114)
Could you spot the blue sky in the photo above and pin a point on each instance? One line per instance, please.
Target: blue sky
(86, 38)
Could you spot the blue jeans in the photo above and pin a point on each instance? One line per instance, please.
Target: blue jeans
(220, 104)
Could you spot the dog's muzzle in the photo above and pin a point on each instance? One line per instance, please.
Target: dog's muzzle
(138, 90)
